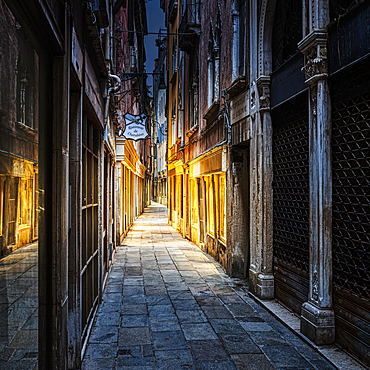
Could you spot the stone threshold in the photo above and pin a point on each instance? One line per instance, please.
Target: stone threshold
(335, 355)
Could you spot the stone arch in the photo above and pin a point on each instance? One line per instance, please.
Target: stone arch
(266, 25)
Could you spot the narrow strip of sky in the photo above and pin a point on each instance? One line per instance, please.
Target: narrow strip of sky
(155, 18)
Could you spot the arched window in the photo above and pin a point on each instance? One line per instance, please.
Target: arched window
(242, 29)
(239, 31)
(287, 30)
(193, 96)
(211, 69)
(27, 89)
(217, 56)
(174, 56)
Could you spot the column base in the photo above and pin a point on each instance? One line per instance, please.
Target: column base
(261, 285)
(318, 324)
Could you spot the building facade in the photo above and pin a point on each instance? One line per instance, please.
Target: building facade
(59, 112)
(268, 170)
(19, 139)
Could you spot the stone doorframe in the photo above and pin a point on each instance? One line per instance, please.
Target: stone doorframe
(261, 277)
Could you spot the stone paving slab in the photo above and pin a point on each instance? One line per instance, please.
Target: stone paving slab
(19, 309)
(170, 306)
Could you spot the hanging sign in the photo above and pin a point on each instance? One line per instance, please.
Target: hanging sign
(135, 128)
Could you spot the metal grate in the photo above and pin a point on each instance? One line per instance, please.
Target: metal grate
(351, 181)
(287, 31)
(338, 8)
(291, 183)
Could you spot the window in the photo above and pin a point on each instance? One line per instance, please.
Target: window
(338, 8)
(214, 52)
(27, 86)
(173, 121)
(174, 56)
(242, 19)
(287, 31)
(211, 70)
(217, 54)
(193, 100)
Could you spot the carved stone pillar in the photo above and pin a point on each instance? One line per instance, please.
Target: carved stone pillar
(317, 316)
(261, 277)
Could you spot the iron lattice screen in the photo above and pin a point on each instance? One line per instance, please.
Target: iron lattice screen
(340, 7)
(351, 181)
(291, 183)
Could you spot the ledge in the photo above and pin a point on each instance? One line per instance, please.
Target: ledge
(210, 113)
(237, 86)
(26, 128)
(192, 130)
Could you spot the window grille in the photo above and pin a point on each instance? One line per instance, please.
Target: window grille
(287, 31)
(339, 8)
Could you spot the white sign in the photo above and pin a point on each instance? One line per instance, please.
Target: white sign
(239, 107)
(135, 128)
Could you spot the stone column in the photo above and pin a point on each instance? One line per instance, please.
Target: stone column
(317, 316)
(261, 277)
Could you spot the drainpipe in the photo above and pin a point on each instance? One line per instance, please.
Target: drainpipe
(227, 121)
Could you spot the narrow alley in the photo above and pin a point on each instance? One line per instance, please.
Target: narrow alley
(169, 305)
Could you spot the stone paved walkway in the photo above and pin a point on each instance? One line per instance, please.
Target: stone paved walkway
(168, 305)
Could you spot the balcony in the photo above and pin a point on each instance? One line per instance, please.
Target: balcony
(172, 10)
(189, 28)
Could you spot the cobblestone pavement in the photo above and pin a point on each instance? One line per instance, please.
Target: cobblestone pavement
(168, 305)
(19, 309)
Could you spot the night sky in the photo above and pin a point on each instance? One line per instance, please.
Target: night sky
(155, 18)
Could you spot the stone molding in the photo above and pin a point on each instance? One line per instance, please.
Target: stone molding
(318, 324)
(263, 86)
(314, 48)
(261, 285)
